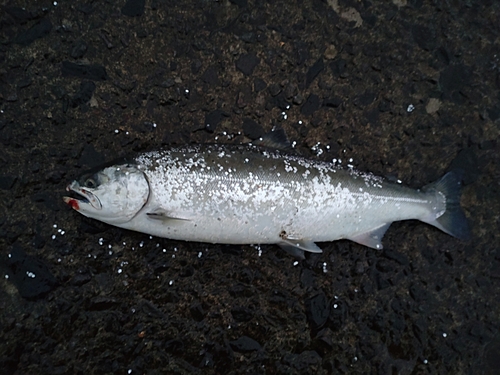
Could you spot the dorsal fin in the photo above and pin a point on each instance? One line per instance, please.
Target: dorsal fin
(276, 139)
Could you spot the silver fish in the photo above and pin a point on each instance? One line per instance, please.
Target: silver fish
(245, 194)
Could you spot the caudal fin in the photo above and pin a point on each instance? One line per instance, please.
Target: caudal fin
(453, 220)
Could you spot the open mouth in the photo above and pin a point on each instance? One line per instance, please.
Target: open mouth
(78, 195)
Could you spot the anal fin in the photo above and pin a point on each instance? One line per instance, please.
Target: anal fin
(372, 238)
(297, 247)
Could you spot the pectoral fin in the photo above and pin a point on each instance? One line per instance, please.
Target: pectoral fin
(371, 238)
(164, 215)
(297, 247)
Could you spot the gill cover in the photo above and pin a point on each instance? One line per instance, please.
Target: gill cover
(114, 195)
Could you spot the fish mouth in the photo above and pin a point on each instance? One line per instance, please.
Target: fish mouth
(79, 195)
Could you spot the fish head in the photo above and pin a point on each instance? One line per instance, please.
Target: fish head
(113, 195)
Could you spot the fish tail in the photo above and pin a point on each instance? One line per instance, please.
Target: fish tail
(452, 220)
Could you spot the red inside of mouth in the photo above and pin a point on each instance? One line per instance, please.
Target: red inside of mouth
(73, 203)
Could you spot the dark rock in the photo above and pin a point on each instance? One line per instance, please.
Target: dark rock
(12, 97)
(90, 157)
(384, 266)
(169, 82)
(259, 84)
(252, 129)
(210, 76)
(324, 339)
(86, 8)
(371, 50)
(479, 332)
(37, 31)
(311, 105)
(242, 314)
(280, 102)
(196, 310)
(313, 71)
(307, 278)
(134, 8)
(196, 66)
(247, 63)
(333, 102)
(488, 144)
(248, 37)
(274, 89)
(339, 68)
(142, 33)
(398, 257)
(81, 278)
(317, 310)
(240, 3)
(424, 36)
(442, 55)
(144, 127)
(175, 346)
(213, 119)
(290, 91)
(454, 78)
(50, 200)
(417, 293)
(21, 15)
(246, 275)
(369, 18)
(302, 52)
(491, 354)
(7, 182)
(305, 362)
(93, 72)
(420, 330)
(84, 94)
(207, 361)
(244, 97)
(338, 314)
(466, 163)
(364, 99)
(240, 289)
(38, 241)
(298, 99)
(359, 267)
(245, 344)
(30, 275)
(24, 82)
(78, 49)
(187, 271)
(126, 85)
(384, 106)
(372, 116)
(381, 281)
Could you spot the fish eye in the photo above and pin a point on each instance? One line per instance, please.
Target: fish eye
(90, 183)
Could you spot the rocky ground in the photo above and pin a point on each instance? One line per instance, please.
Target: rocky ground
(406, 89)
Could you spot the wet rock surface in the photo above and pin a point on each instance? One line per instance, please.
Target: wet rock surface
(403, 88)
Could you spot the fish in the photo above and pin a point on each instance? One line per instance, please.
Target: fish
(259, 193)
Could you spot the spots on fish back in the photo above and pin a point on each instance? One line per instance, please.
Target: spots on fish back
(204, 178)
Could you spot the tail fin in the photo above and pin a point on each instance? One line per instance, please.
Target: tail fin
(453, 220)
